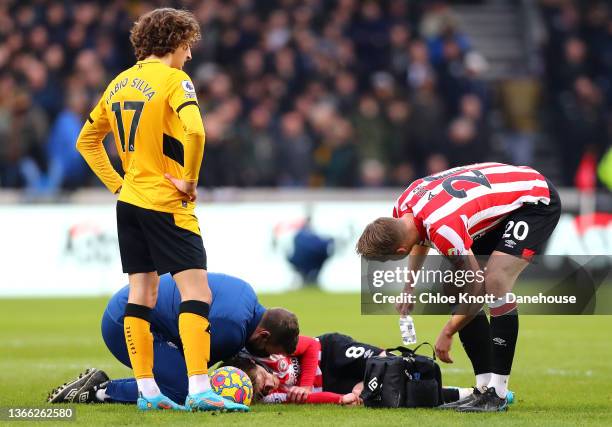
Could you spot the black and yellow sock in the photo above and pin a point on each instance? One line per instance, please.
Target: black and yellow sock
(194, 330)
(137, 331)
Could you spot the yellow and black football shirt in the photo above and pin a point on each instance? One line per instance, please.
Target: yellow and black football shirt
(153, 113)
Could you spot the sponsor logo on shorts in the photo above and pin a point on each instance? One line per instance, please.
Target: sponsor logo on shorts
(509, 243)
(499, 341)
(528, 254)
(373, 384)
(369, 353)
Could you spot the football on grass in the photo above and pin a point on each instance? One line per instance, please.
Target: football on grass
(233, 384)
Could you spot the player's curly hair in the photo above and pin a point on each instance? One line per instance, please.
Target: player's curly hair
(162, 31)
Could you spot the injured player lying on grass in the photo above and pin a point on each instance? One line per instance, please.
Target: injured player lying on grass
(326, 369)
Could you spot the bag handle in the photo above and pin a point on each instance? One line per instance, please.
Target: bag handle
(399, 348)
(406, 350)
(433, 351)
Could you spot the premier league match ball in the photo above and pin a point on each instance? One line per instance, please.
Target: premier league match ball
(233, 384)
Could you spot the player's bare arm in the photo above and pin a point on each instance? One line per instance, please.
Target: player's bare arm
(467, 262)
(416, 259)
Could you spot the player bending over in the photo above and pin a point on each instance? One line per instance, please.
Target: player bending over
(326, 369)
(505, 211)
(236, 317)
(152, 111)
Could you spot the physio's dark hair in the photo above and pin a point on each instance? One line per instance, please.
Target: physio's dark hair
(283, 327)
(162, 31)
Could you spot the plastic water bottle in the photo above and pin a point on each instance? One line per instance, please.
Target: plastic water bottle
(407, 330)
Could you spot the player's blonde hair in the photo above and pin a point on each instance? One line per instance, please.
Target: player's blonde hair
(380, 238)
(162, 31)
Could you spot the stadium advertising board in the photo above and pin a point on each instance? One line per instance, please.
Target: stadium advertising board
(76, 245)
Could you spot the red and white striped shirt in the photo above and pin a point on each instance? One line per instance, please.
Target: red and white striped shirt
(299, 369)
(453, 207)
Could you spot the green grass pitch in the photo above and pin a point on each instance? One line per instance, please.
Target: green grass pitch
(562, 373)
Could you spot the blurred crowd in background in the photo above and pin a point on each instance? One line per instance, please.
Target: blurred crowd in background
(578, 79)
(296, 93)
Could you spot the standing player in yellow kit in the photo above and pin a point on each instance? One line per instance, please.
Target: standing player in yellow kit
(153, 112)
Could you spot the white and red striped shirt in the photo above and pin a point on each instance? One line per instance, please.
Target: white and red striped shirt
(453, 207)
(299, 369)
